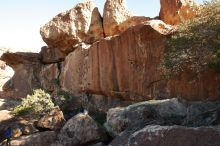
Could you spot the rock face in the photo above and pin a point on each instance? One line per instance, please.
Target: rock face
(39, 139)
(81, 23)
(51, 55)
(175, 11)
(126, 70)
(170, 136)
(53, 120)
(81, 130)
(115, 13)
(126, 66)
(26, 68)
(49, 77)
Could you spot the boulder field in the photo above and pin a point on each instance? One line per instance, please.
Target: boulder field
(110, 65)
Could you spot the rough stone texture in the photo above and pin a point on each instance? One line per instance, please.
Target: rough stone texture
(71, 27)
(205, 86)
(51, 55)
(133, 21)
(175, 11)
(126, 66)
(101, 104)
(202, 113)
(13, 59)
(163, 112)
(39, 139)
(81, 130)
(170, 136)
(26, 68)
(96, 30)
(74, 73)
(115, 13)
(53, 120)
(49, 77)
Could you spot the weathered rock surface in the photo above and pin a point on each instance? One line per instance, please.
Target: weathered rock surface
(49, 77)
(38, 139)
(115, 13)
(13, 59)
(81, 130)
(136, 116)
(163, 112)
(82, 22)
(96, 30)
(54, 120)
(51, 55)
(175, 11)
(170, 136)
(26, 68)
(126, 66)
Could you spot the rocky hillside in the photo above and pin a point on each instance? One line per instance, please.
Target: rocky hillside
(109, 65)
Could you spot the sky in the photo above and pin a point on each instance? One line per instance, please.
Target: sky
(20, 20)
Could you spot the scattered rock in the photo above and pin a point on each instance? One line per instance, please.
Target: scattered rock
(38, 139)
(54, 120)
(115, 13)
(72, 27)
(170, 136)
(81, 130)
(176, 11)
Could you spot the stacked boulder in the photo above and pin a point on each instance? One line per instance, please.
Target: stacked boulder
(109, 62)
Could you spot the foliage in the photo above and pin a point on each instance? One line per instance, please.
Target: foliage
(63, 99)
(38, 102)
(196, 44)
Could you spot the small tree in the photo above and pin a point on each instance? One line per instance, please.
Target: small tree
(38, 102)
(196, 44)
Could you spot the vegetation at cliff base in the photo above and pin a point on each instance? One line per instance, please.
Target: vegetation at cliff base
(38, 102)
(196, 44)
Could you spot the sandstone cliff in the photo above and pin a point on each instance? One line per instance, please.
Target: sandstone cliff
(78, 58)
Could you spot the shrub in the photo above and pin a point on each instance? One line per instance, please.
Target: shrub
(38, 102)
(196, 44)
(63, 99)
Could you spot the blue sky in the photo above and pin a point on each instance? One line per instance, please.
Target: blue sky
(21, 20)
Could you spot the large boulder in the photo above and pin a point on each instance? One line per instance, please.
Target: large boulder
(163, 112)
(81, 130)
(38, 139)
(126, 66)
(54, 120)
(115, 13)
(175, 11)
(26, 68)
(81, 23)
(170, 136)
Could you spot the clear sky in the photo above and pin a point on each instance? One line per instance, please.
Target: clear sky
(20, 20)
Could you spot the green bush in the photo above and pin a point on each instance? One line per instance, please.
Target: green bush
(63, 99)
(196, 44)
(38, 102)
